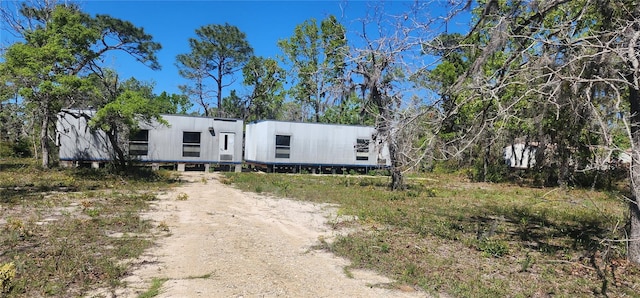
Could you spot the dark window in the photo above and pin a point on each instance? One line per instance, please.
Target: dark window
(362, 149)
(191, 144)
(226, 142)
(191, 137)
(283, 146)
(139, 142)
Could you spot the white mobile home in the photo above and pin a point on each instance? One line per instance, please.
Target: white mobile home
(520, 156)
(186, 140)
(313, 146)
(77, 142)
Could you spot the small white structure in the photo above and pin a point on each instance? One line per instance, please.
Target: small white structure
(298, 146)
(520, 156)
(186, 140)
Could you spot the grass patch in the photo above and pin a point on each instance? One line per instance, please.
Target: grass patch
(447, 235)
(66, 231)
(204, 276)
(154, 290)
(347, 272)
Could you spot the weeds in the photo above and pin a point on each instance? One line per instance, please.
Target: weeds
(526, 263)
(163, 226)
(7, 274)
(59, 242)
(347, 272)
(204, 276)
(154, 290)
(471, 239)
(493, 248)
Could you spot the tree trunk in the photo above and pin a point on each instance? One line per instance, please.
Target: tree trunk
(485, 163)
(44, 138)
(563, 171)
(316, 107)
(633, 252)
(397, 181)
(113, 139)
(219, 81)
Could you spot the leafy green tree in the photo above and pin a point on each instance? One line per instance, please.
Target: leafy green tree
(454, 63)
(317, 55)
(266, 78)
(122, 115)
(291, 111)
(532, 120)
(49, 66)
(120, 107)
(10, 129)
(470, 144)
(13, 126)
(173, 103)
(348, 111)
(234, 106)
(217, 53)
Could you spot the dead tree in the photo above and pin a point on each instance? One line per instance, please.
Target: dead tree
(579, 63)
(385, 65)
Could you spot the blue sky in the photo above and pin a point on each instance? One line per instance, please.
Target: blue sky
(172, 23)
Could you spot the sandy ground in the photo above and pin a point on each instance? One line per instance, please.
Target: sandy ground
(226, 243)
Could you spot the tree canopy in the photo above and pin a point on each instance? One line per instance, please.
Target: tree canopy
(217, 52)
(60, 47)
(317, 57)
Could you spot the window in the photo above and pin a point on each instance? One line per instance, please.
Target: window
(191, 144)
(283, 146)
(362, 149)
(139, 142)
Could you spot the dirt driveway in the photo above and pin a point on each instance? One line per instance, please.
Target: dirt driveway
(226, 243)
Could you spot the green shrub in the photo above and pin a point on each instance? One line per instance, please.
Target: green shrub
(20, 148)
(493, 248)
(7, 274)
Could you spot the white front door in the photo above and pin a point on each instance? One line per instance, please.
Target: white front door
(226, 146)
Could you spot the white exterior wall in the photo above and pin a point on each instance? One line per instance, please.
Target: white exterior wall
(78, 143)
(520, 156)
(311, 144)
(165, 143)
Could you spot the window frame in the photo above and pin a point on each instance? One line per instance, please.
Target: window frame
(190, 144)
(141, 142)
(362, 149)
(283, 150)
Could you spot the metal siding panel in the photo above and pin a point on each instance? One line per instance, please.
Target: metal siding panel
(77, 142)
(266, 141)
(255, 140)
(249, 144)
(165, 143)
(311, 143)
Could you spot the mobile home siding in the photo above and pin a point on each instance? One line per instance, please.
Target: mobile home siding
(165, 144)
(520, 156)
(312, 144)
(78, 143)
